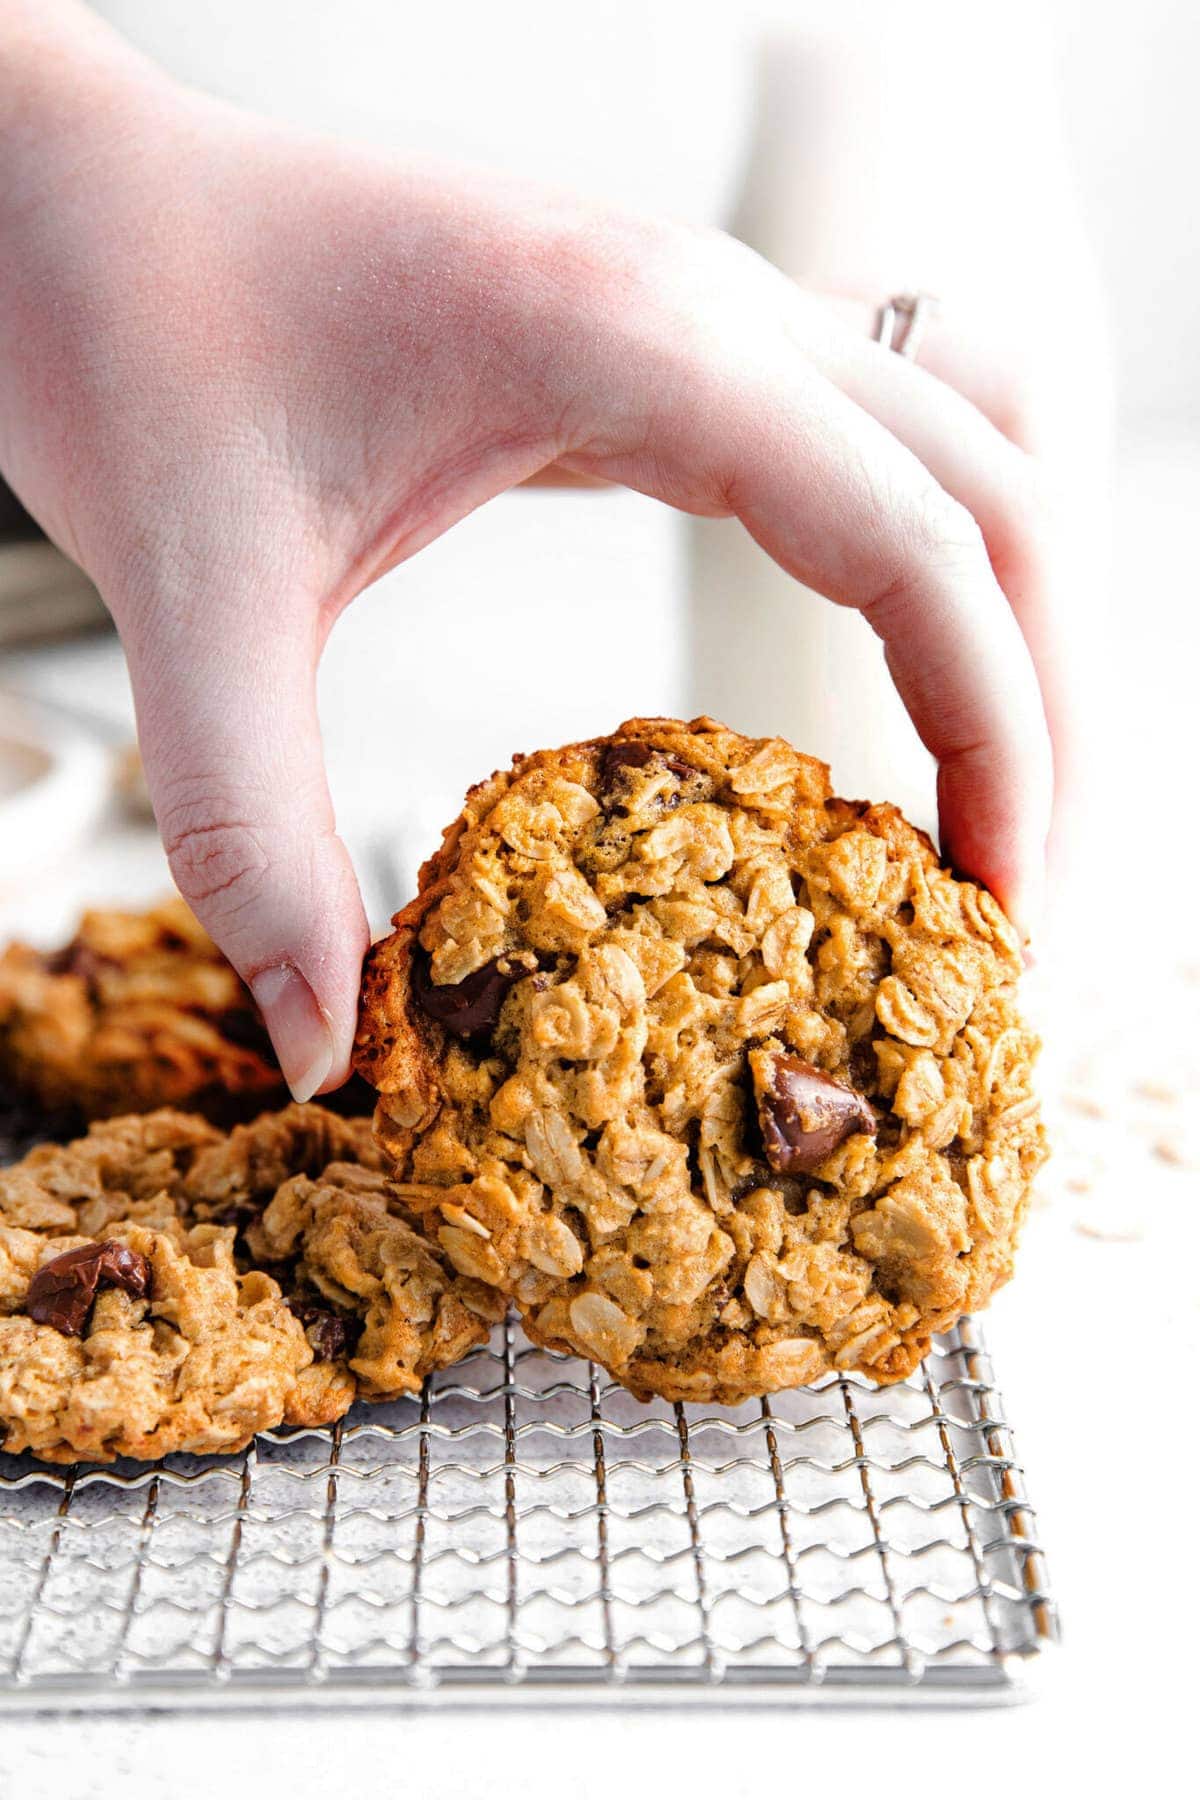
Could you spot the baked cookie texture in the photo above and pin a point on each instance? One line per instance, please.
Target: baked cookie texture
(139, 1011)
(281, 1284)
(719, 1077)
(200, 1361)
(351, 1253)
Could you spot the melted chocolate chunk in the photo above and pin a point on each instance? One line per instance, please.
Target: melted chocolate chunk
(329, 1334)
(805, 1114)
(63, 1290)
(631, 753)
(615, 757)
(471, 1007)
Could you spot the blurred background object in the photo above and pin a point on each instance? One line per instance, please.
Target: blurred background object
(56, 777)
(43, 595)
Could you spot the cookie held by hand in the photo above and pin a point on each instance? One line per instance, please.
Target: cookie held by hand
(720, 1078)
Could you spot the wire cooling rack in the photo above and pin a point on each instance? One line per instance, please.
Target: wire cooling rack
(527, 1529)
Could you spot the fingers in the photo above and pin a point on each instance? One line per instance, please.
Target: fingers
(976, 463)
(987, 375)
(230, 739)
(1028, 456)
(964, 451)
(847, 509)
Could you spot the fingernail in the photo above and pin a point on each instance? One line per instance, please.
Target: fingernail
(298, 1028)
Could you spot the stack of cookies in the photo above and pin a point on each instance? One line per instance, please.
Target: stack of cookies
(717, 1079)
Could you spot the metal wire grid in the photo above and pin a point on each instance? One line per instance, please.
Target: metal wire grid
(528, 1529)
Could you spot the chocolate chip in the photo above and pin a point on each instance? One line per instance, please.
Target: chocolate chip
(62, 1291)
(471, 1007)
(239, 1213)
(631, 753)
(327, 1332)
(626, 755)
(804, 1113)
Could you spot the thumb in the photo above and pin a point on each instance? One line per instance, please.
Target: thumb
(226, 707)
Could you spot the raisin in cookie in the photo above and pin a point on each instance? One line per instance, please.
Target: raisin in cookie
(139, 1343)
(719, 1077)
(299, 1195)
(139, 1011)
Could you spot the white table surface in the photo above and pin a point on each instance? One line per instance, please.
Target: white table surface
(1094, 1346)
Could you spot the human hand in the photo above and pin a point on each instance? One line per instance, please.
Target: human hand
(245, 372)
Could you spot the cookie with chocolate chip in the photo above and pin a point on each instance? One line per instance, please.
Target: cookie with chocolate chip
(293, 1204)
(139, 1344)
(140, 1010)
(719, 1077)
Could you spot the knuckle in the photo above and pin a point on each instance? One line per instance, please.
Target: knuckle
(711, 250)
(1018, 390)
(634, 309)
(1004, 378)
(1035, 500)
(932, 535)
(941, 532)
(703, 271)
(618, 265)
(219, 862)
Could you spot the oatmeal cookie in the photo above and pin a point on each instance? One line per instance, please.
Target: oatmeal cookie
(373, 1292)
(719, 1077)
(139, 1343)
(381, 1309)
(232, 1178)
(300, 1196)
(139, 1011)
(132, 1168)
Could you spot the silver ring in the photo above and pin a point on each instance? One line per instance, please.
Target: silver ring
(902, 321)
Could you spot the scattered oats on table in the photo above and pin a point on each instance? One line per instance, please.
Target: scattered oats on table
(719, 1078)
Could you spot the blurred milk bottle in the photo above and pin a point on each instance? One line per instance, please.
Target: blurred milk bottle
(818, 193)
